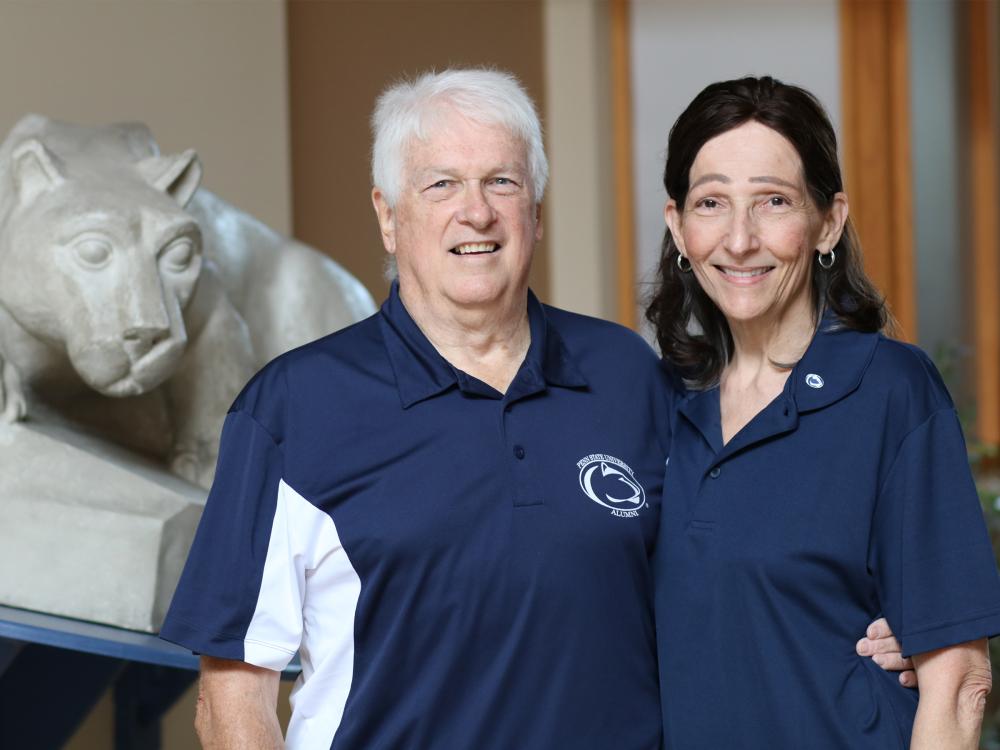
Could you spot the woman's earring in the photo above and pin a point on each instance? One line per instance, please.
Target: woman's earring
(826, 260)
(683, 263)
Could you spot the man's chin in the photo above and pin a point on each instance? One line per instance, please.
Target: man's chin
(485, 294)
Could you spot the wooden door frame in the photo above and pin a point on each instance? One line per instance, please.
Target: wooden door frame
(983, 134)
(876, 146)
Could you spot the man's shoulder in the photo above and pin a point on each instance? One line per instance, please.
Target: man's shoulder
(353, 353)
(588, 335)
(355, 342)
(355, 349)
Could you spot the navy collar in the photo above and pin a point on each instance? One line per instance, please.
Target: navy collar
(832, 366)
(831, 369)
(421, 372)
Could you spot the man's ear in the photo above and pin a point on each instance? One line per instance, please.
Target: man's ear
(539, 228)
(672, 217)
(833, 223)
(386, 220)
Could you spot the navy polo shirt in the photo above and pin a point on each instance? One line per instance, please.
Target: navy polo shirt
(458, 568)
(847, 497)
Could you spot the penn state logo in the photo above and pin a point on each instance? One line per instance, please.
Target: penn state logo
(609, 482)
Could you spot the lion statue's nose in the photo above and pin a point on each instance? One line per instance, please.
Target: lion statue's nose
(138, 341)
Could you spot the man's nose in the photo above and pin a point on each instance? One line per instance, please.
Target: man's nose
(742, 236)
(476, 209)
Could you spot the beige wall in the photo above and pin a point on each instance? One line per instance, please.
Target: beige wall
(209, 75)
(580, 206)
(341, 54)
(203, 74)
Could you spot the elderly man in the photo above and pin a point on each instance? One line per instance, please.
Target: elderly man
(448, 508)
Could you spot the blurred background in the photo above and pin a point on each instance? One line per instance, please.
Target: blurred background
(275, 96)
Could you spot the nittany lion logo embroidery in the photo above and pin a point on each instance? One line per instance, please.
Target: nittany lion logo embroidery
(609, 482)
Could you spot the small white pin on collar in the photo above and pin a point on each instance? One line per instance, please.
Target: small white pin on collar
(814, 381)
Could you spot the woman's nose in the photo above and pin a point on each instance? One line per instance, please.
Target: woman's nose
(742, 236)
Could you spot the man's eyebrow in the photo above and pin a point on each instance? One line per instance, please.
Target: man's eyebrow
(775, 181)
(712, 177)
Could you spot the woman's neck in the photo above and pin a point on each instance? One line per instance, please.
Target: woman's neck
(771, 344)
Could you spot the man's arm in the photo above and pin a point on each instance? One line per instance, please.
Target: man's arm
(954, 683)
(881, 645)
(237, 705)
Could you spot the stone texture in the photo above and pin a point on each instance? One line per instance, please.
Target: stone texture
(134, 305)
(89, 531)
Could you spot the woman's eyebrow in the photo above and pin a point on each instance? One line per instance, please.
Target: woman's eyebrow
(775, 181)
(712, 177)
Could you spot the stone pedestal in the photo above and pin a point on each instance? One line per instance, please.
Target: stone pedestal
(88, 530)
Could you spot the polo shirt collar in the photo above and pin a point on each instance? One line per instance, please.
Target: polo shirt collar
(832, 366)
(831, 369)
(421, 372)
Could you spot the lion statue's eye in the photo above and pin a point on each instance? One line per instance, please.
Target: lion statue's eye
(178, 254)
(94, 252)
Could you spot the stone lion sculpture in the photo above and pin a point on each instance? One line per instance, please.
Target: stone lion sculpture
(135, 305)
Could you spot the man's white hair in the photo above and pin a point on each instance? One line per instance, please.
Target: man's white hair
(408, 110)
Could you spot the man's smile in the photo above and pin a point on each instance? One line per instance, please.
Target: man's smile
(475, 248)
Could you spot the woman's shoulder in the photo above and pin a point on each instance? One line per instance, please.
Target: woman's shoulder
(908, 376)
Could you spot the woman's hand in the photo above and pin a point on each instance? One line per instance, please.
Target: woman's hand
(881, 645)
(954, 683)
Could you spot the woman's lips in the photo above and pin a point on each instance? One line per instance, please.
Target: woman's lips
(744, 276)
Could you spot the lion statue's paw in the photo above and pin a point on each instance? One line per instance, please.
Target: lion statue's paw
(195, 463)
(14, 404)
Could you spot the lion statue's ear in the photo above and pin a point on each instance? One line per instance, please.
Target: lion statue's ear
(177, 175)
(34, 169)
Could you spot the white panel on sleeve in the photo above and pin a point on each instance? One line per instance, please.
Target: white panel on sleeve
(302, 538)
(308, 596)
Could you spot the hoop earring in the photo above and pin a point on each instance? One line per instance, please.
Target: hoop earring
(831, 259)
(683, 263)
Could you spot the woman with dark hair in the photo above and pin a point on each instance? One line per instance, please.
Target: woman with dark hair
(817, 476)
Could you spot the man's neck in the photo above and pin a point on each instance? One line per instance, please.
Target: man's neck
(487, 342)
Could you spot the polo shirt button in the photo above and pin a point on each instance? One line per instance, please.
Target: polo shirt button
(518, 452)
(509, 408)
(714, 473)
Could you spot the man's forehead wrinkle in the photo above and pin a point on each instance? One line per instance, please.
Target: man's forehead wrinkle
(453, 170)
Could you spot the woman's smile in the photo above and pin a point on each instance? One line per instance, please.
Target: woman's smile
(743, 276)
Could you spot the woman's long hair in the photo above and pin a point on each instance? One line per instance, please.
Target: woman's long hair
(700, 352)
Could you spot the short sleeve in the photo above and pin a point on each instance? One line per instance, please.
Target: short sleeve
(238, 598)
(930, 552)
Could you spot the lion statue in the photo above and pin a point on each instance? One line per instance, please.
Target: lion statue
(134, 305)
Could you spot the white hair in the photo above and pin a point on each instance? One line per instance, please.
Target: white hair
(407, 110)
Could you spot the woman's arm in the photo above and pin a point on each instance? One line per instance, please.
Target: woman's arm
(954, 683)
